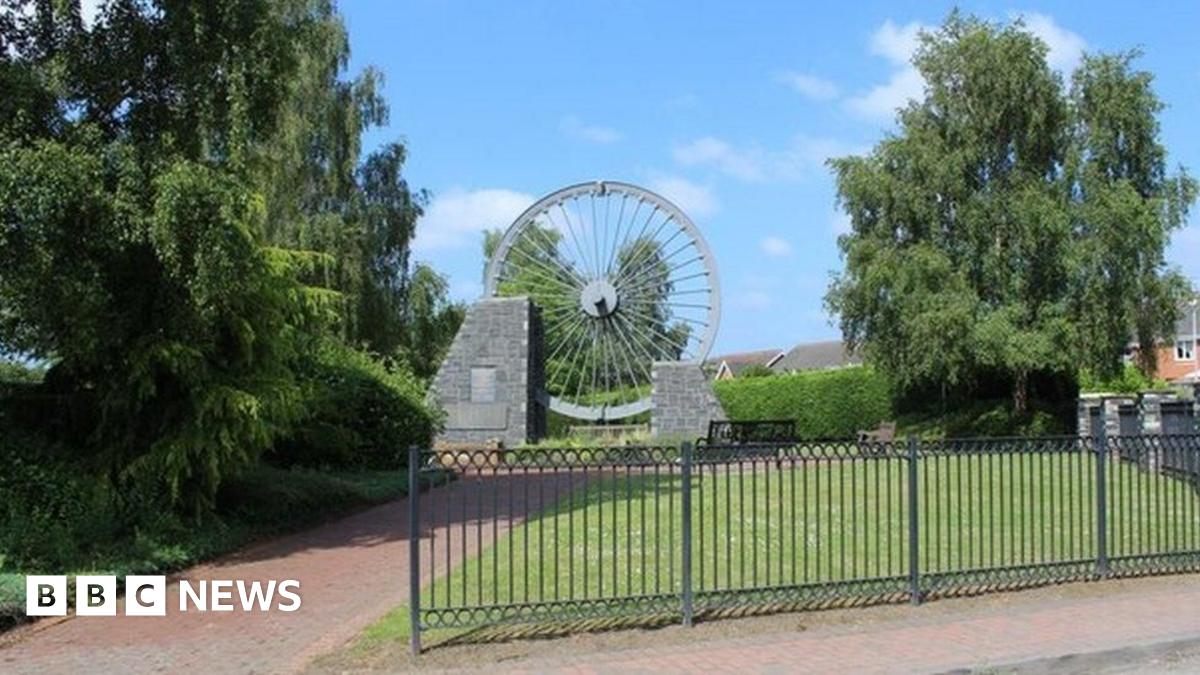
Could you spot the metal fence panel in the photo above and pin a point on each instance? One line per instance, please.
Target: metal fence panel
(535, 535)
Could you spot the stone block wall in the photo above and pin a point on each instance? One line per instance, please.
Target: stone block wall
(683, 400)
(488, 383)
(1149, 405)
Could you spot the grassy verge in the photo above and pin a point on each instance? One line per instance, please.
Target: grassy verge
(827, 521)
(263, 503)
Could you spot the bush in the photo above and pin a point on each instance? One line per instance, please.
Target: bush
(824, 404)
(49, 509)
(358, 414)
(989, 418)
(1130, 381)
(56, 518)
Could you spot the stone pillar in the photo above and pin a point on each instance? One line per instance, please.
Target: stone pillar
(1112, 413)
(1152, 424)
(682, 400)
(488, 383)
(1152, 411)
(1087, 403)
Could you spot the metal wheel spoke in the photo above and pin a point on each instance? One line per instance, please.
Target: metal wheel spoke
(610, 266)
(648, 270)
(540, 270)
(655, 339)
(571, 233)
(633, 270)
(554, 256)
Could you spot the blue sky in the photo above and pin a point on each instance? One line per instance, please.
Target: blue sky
(729, 109)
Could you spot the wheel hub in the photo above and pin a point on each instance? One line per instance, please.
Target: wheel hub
(598, 298)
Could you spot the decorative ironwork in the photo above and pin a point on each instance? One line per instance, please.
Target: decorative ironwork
(560, 534)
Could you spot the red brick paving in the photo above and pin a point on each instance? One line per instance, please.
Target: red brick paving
(351, 573)
(355, 570)
(924, 641)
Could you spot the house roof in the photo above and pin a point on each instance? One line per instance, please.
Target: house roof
(739, 361)
(1185, 327)
(817, 356)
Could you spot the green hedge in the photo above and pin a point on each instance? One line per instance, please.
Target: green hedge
(824, 404)
(359, 414)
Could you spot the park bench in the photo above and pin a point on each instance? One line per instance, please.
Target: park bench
(886, 433)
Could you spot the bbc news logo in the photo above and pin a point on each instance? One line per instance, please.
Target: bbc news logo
(147, 595)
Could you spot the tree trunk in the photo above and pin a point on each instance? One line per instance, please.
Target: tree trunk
(1021, 393)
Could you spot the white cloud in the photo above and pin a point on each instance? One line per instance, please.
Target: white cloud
(746, 165)
(697, 201)
(896, 44)
(575, 128)
(1066, 47)
(808, 154)
(456, 218)
(882, 101)
(813, 87)
(804, 156)
(775, 247)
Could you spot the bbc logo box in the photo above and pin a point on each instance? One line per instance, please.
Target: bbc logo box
(147, 595)
(95, 595)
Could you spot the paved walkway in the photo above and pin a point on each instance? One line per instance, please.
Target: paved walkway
(351, 572)
(1020, 633)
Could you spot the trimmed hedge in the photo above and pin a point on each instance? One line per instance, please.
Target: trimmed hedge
(825, 403)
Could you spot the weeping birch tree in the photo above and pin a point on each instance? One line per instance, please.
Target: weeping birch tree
(1011, 226)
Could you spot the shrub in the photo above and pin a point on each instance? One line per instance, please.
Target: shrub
(1130, 381)
(824, 404)
(989, 417)
(49, 509)
(358, 414)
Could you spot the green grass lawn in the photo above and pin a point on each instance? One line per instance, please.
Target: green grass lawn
(822, 521)
(263, 503)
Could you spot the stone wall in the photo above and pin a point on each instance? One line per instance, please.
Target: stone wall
(488, 383)
(1149, 405)
(683, 400)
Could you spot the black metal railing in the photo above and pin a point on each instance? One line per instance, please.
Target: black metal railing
(545, 535)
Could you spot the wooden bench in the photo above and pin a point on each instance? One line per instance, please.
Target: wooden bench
(886, 433)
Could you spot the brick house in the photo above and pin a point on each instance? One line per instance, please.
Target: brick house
(1179, 359)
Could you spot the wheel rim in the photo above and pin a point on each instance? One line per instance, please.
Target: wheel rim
(623, 279)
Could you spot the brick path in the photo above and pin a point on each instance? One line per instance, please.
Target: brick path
(920, 642)
(351, 573)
